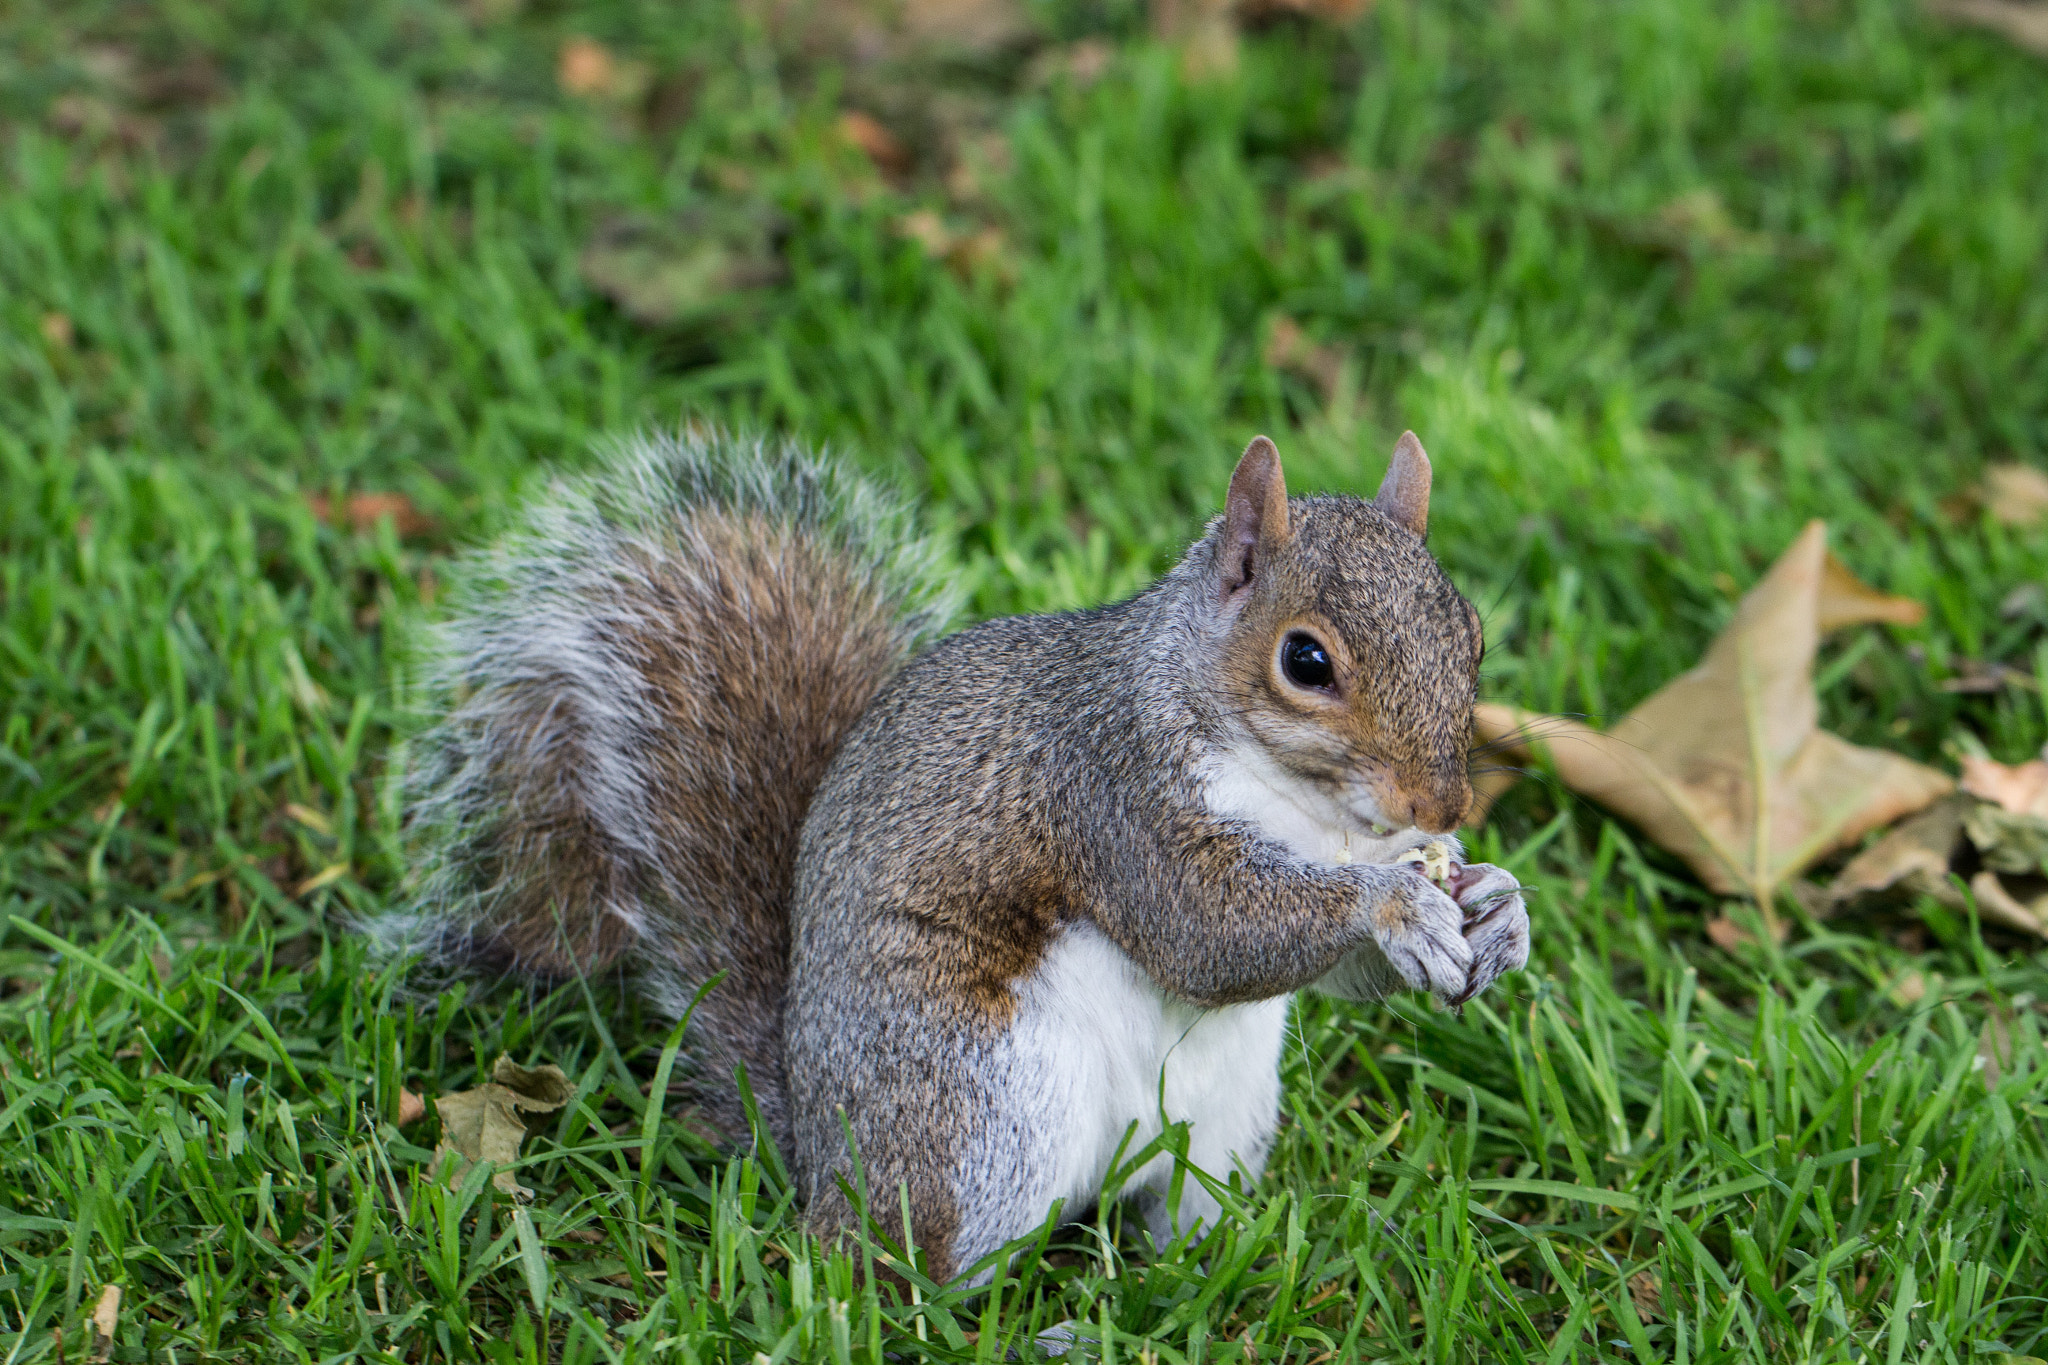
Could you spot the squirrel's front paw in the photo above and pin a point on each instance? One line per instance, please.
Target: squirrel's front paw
(1420, 932)
(1496, 924)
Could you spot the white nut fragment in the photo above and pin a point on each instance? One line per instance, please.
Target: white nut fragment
(1434, 858)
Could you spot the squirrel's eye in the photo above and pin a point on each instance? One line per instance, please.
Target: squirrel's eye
(1305, 662)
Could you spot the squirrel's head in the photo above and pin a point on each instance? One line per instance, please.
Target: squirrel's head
(1348, 659)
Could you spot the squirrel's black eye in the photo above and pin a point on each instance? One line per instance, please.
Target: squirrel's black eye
(1305, 662)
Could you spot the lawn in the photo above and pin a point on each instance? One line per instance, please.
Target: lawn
(1657, 283)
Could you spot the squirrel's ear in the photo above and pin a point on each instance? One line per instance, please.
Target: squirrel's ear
(1254, 517)
(1404, 493)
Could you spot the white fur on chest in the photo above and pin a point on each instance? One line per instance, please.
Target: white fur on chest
(1240, 782)
(1097, 1047)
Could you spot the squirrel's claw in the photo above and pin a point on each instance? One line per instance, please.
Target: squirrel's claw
(1496, 927)
(1420, 932)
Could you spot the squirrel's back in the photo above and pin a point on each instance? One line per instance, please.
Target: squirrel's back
(646, 682)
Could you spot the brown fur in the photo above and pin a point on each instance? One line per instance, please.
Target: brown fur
(654, 680)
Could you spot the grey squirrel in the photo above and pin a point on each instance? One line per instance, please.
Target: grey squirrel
(982, 900)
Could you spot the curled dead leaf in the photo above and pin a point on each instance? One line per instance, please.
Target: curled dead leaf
(1726, 765)
(2008, 841)
(1913, 857)
(1999, 906)
(411, 1108)
(2021, 788)
(1646, 1293)
(106, 1316)
(489, 1122)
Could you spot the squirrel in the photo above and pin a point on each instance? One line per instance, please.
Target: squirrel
(982, 901)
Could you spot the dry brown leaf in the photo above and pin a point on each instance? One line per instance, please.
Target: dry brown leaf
(1996, 905)
(1726, 766)
(363, 510)
(411, 1108)
(2025, 24)
(1846, 600)
(1648, 1295)
(106, 1316)
(881, 146)
(585, 67)
(1914, 857)
(2016, 494)
(928, 230)
(1726, 934)
(488, 1123)
(2021, 788)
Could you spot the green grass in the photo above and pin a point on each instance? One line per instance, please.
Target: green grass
(1656, 283)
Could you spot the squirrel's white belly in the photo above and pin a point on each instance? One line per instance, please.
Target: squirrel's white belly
(1095, 1046)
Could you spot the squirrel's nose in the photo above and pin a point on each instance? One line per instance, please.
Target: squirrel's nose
(1437, 806)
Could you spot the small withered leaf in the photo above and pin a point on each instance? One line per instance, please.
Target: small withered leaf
(489, 1122)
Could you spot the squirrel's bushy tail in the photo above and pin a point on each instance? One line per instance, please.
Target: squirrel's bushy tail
(645, 683)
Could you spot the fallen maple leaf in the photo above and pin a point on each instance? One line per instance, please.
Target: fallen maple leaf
(1726, 766)
(488, 1123)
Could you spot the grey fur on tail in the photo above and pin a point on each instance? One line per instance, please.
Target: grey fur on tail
(641, 688)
